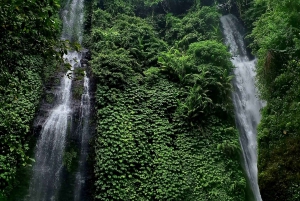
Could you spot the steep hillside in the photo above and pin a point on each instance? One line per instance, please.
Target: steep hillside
(165, 126)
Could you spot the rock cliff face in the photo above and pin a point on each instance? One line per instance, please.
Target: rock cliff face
(49, 97)
(50, 93)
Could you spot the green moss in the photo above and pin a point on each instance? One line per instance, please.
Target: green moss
(72, 149)
(78, 91)
(49, 98)
(70, 159)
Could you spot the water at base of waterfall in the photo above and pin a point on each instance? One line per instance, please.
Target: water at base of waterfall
(246, 102)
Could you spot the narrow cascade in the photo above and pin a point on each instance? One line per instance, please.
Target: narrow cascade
(84, 134)
(46, 179)
(245, 98)
(49, 152)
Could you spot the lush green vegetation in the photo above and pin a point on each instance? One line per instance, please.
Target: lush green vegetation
(165, 128)
(275, 40)
(29, 31)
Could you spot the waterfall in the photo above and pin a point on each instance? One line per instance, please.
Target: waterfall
(245, 99)
(50, 149)
(84, 141)
(72, 20)
(47, 169)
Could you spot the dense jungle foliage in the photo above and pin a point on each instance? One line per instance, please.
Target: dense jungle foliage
(165, 127)
(275, 35)
(29, 33)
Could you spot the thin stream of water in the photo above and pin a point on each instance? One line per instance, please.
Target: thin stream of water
(84, 131)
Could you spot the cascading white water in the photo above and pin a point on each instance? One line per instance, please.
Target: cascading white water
(245, 99)
(73, 20)
(84, 137)
(46, 178)
(50, 147)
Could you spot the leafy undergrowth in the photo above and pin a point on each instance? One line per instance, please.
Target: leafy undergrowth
(19, 100)
(27, 59)
(145, 151)
(276, 38)
(165, 129)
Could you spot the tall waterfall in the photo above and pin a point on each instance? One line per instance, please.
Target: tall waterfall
(46, 178)
(246, 102)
